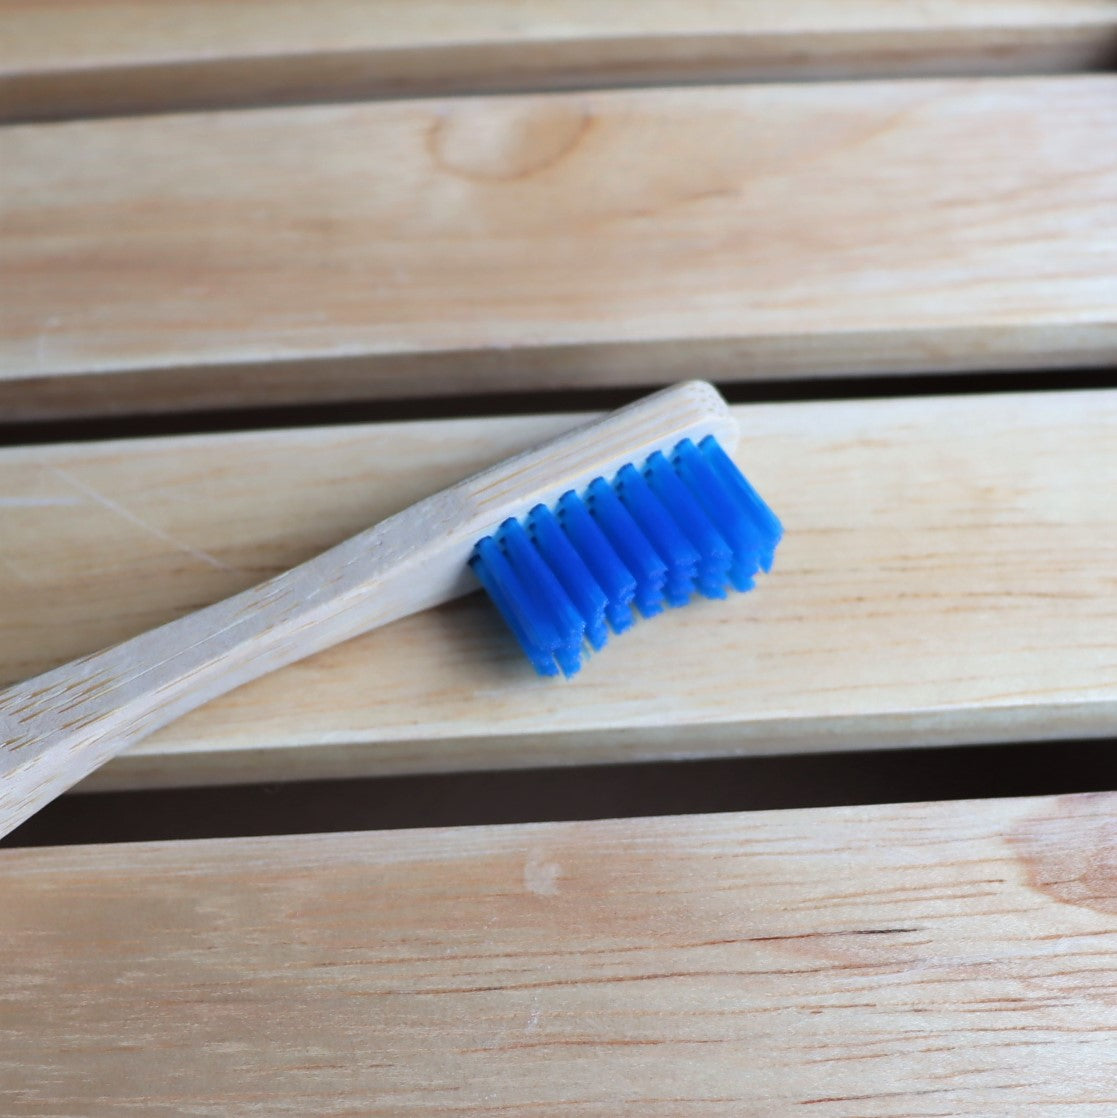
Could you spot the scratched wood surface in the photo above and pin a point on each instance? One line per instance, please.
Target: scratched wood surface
(472, 244)
(931, 960)
(947, 576)
(73, 58)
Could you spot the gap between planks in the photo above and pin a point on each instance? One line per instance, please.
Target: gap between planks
(583, 792)
(946, 577)
(402, 409)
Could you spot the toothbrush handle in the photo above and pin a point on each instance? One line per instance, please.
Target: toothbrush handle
(57, 728)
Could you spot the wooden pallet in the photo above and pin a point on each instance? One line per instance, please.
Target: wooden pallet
(497, 211)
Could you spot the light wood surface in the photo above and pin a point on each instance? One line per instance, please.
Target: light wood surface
(934, 960)
(70, 57)
(947, 575)
(58, 727)
(531, 242)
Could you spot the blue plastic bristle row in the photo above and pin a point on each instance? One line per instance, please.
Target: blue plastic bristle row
(630, 544)
(663, 533)
(611, 575)
(570, 569)
(683, 522)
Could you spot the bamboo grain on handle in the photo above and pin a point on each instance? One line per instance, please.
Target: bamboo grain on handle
(60, 726)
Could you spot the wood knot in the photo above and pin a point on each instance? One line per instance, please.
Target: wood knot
(494, 142)
(1070, 850)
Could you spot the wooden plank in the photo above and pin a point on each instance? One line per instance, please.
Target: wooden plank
(72, 58)
(947, 576)
(612, 238)
(935, 960)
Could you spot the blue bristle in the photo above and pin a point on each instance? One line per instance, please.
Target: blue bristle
(716, 498)
(685, 522)
(665, 536)
(724, 507)
(549, 595)
(570, 569)
(631, 545)
(614, 578)
(516, 604)
(715, 554)
(767, 524)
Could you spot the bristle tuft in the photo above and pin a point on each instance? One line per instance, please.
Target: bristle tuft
(680, 524)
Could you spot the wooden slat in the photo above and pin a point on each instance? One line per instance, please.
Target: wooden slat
(72, 58)
(934, 960)
(455, 246)
(948, 575)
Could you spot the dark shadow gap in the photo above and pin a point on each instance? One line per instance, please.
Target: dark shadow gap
(239, 83)
(34, 432)
(591, 792)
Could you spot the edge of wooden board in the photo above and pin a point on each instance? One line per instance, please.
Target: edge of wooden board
(999, 348)
(977, 725)
(82, 61)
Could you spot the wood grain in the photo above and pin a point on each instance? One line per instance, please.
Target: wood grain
(948, 575)
(517, 243)
(932, 960)
(72, 58)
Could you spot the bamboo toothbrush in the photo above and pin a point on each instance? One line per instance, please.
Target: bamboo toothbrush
(563, 552)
